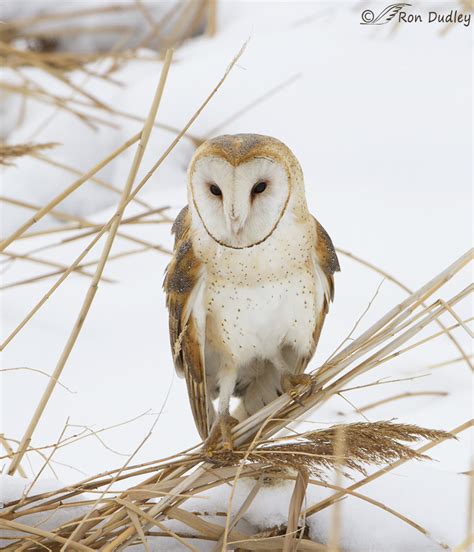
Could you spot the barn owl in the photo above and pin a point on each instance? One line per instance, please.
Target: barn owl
(250, 281)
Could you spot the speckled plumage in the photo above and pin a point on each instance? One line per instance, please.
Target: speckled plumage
(251, 278)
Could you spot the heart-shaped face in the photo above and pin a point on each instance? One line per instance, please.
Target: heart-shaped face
(239, 204)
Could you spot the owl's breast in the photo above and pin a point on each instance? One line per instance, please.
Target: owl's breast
(255, 316)
(260, 298)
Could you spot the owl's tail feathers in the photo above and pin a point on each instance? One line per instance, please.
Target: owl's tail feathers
(201, 405)
(264, 388)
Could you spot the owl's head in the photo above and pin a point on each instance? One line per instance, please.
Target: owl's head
(241, 186)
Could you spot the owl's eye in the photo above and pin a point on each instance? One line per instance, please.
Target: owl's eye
(259, 187)
(215, 190)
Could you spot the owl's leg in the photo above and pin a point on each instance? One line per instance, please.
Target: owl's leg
(222, 427)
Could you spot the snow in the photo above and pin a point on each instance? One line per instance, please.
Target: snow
(381, 124)
(128, 24)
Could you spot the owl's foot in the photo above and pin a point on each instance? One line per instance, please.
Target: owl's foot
(221, 429)
(298, 386)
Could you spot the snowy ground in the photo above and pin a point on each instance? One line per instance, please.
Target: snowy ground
(381, 123)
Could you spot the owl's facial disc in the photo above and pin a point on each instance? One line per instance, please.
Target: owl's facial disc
(239, 206)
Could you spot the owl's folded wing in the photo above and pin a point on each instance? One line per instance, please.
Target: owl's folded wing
(183, 284)
(327, 260)
(326, 264)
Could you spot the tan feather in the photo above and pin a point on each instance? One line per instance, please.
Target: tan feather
(182, 277)
(327, 260)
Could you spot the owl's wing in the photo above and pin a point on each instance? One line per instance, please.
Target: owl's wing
(326, 264)
(183, 284)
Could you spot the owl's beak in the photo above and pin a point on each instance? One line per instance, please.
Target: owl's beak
(235, 224)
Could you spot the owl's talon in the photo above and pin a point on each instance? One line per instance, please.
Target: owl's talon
(221, 429)
(295, 396)
(298, 386)
(227, 422)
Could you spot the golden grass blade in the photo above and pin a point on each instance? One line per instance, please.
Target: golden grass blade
(205, 528)
(458, 319)
(14, 525)
(133, 516)
(88, 521)
(435, 335)
(290, 543)
(9, 451)
(465, 546)
(276, 542)
(447, 362)
(132, 507)
(45, 465)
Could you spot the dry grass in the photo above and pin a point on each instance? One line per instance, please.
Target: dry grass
(35, 42)
(113, 518)
(10, 152)
(366, 444)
